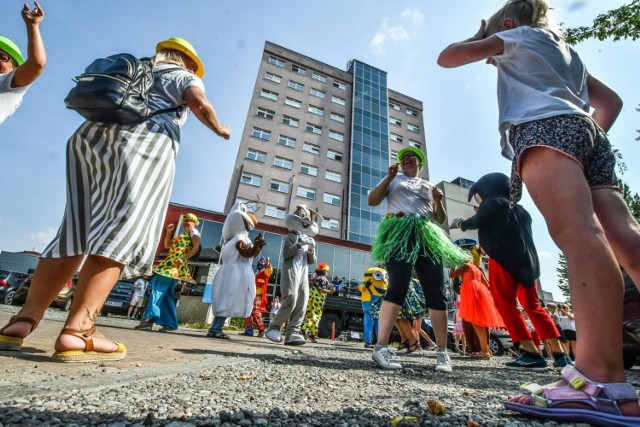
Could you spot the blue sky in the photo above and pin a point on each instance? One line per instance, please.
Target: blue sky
(400, 37)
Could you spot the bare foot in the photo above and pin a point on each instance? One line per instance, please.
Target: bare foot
(101, 344)
(627, 408)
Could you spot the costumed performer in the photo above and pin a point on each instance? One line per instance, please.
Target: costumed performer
(263, 273)
(234, 291)
(161, 306)
(298, 251)
(376, 282)
(409, 238)
(319, 288)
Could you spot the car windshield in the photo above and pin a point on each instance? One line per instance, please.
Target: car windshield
(4, 274)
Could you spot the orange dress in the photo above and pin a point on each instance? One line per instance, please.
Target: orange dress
(476, 303)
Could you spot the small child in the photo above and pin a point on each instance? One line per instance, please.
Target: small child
(563, 155)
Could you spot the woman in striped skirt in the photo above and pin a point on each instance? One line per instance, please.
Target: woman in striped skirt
(119, 179)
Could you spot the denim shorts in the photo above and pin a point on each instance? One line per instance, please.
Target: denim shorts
(574, 135)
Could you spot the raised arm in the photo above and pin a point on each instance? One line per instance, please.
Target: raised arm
(476, 48)
(198, 103)
(605, 102)
(377, 195)
(36, 60)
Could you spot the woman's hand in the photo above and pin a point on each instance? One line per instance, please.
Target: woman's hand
(437, 194)
(393, 170)
(34, 17)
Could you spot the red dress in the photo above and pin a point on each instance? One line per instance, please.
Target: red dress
(476, 303)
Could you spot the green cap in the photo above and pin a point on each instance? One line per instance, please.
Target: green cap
(12, 50)
(413, 150)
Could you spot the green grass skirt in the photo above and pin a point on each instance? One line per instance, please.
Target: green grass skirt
(409, 236)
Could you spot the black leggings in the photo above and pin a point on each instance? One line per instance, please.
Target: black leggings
(430, 275)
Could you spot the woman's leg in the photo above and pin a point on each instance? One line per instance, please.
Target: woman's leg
(564, 199)
(483, 337)
(96, 280)
(50, 276)
(399, 277)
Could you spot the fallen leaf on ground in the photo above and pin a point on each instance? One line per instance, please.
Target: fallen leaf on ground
(436, 407)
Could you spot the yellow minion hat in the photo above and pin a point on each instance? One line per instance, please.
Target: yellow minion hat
(181, 45)
(191, 217)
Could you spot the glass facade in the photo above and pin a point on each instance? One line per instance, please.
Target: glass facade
(369, 149)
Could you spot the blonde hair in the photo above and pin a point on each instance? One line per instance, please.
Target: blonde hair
(534, 13)
(170, 56)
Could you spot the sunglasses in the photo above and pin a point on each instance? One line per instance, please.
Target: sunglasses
(4, 57)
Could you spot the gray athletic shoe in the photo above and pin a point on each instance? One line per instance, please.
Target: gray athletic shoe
(384, 357)
(443, 363)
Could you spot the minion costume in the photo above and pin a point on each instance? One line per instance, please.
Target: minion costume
(319, 287)
(376, 282)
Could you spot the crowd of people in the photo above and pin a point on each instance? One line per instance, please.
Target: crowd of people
(553, 119)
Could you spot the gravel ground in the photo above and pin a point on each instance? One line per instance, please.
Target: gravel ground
(329, 384)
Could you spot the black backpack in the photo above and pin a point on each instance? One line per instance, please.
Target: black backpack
(114, 90)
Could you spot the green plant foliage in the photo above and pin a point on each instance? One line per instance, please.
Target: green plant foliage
(620, 23)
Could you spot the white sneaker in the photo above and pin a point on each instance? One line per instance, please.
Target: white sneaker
(432, 347)
(274, 335)
(384, 357)
(443, 363)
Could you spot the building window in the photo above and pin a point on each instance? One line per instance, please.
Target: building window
(261, 133)
(394, 106)
(412, 112)
(258, 156)
(287, 141)
(333, 176)
(334, 155)
(276, 61)
(317, 92)
(299, 70)
(280, 186)
(337, 117)
(338, 100)
(281, 162)
(251, 206)
(319, 77)
(395, 137)
(251, 179)
(315, 110)
(413, 128)
(338, 136)
(308, 169)
(395, 121)
(339, 85)
(290, 121)
(296, 85)
(267, 114)
(293, 102)
(332, 199)
(274, 211)
(305, 192)
(393, 156)
(273, 77)
(330, 224)
(413, 143)
(311, 148)
(269, 95)
(313, 129)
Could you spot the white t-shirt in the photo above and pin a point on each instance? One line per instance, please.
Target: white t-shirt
(167, 92)
(139, 292)
(10, 97)
(410, 196)
(539, 76)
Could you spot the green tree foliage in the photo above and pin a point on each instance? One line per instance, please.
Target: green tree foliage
(620, 23)
(632, 200)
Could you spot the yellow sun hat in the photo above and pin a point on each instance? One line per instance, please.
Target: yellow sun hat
(12, 50)
(413, 150)
(191, 217)
(181, 45)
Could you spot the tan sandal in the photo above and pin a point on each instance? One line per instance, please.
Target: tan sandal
(15, 343)
(88, 354)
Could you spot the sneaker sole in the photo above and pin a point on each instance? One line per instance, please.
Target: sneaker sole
(526, 368)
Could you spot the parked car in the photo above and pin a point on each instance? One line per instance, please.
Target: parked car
(631, 323)
(63, 300)
(10, 281)
(118, 300)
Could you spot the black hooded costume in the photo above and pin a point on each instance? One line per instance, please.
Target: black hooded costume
(504, 232)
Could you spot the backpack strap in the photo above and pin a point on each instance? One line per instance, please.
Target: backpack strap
(180, 108)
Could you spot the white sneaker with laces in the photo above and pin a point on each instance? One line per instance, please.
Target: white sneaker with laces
(384, 357)
(443, 363)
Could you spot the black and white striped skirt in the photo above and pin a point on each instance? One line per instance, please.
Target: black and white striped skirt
(119, 180)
